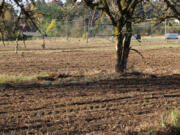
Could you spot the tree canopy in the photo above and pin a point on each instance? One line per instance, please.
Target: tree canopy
(56, 9)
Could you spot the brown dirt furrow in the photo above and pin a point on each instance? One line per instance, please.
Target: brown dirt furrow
(91, 99)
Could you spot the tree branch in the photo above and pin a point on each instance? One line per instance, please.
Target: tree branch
(172, 7)
(101, 5)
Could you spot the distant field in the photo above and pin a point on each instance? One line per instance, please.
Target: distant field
(60, 53)
(78, 91)
(74, 44)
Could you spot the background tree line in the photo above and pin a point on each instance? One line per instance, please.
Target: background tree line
(56, 18)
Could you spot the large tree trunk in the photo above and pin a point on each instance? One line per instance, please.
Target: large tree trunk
(122, 48)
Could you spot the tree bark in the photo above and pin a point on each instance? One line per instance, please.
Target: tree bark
(123, 48)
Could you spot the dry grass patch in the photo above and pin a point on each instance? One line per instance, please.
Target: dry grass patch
(4, 78)
(169, 125)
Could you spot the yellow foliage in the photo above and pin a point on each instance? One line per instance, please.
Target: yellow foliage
(123, 4)
(51, 25)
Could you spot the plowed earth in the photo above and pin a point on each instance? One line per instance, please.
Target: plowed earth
(115, 105)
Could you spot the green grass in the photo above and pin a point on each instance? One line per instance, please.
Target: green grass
(169, 124)
(156, 46)
(142, 47)
(4, 78)
(172, 119)
(110, 47)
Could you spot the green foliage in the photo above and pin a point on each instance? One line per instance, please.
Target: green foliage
(20, 78)
(51, 29)
(54, 28)
(76, 30)
(172, 119)
(50, 11)
(43, 26)
(61, 14)
(68, 2)
(170, 124)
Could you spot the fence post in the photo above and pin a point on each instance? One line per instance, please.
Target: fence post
(17, 45)
(67, 36)
(87, 29)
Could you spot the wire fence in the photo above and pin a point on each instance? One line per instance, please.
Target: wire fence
(96, 34)
(78, 29)
(89, 30)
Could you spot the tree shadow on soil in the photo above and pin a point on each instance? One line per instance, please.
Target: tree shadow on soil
(123, 84)
(139, 81)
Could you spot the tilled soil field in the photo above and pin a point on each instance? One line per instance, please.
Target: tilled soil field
(119, 104)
